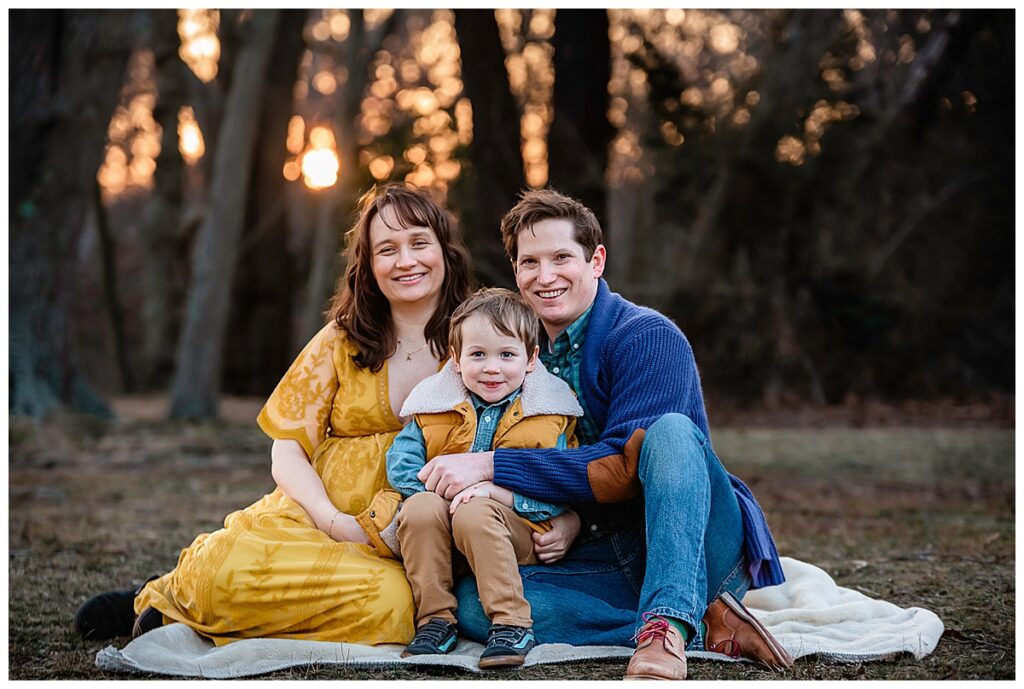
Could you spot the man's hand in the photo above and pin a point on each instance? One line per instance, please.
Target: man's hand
(446, 475)
(477, 490)
(552, 546)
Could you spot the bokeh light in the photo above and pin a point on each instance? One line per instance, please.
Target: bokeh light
(190, 137)
(133, 136)
(200, 47)
(531, 73)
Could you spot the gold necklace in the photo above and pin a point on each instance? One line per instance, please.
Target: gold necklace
(409, 353)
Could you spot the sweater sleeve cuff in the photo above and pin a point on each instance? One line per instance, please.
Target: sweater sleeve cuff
(506, 469)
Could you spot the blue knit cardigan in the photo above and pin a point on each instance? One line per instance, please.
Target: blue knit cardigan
(637, 367)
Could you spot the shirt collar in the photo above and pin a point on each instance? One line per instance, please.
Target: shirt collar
(571, 337)
(479, 405)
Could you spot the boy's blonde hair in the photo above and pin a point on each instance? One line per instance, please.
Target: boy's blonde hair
(506, 311)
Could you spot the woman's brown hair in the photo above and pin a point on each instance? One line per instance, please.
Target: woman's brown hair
(359, 307)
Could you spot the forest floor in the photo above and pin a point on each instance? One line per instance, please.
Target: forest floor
(913, 505)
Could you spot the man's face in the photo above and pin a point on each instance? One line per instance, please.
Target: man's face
(553, 276)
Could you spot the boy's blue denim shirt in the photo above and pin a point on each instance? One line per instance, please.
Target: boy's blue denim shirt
(408, 454)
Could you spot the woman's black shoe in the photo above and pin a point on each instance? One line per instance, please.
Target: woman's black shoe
(107, 615)
(150, 619)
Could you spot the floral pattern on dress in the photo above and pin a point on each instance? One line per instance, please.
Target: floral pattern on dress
(270, 571)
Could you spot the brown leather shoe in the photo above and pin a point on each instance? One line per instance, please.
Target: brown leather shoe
(735, 632)
(659, 651)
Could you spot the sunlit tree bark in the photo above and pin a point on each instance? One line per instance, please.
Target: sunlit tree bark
(197, 377)
(66, 72)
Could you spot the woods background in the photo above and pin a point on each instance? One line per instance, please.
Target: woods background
(822, 200)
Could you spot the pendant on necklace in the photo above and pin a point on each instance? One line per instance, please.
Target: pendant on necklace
(408, 354)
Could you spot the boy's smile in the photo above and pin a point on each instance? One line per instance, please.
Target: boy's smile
(492, 365)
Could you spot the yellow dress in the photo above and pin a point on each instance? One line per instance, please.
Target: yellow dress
(270, 572)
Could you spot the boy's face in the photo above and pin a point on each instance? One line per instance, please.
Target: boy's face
(492, 365)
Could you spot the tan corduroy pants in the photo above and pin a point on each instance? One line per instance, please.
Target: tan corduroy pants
(493, 538)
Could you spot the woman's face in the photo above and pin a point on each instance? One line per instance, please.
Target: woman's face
(408, 264)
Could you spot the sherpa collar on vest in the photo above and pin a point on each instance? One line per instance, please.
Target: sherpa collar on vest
(542, 393)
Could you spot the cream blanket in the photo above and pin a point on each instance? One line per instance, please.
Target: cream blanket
(808, 614)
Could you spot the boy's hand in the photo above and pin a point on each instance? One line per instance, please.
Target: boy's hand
(553, 545)
(478, 490)
(447, 475)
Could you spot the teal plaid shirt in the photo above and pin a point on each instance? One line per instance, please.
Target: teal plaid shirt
(564, 360)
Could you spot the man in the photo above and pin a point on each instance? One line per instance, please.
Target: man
(670, 542)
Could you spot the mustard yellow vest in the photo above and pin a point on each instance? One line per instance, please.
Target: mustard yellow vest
(523, 425)
(452, 432)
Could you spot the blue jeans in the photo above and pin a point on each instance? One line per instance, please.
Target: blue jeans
(688, 551)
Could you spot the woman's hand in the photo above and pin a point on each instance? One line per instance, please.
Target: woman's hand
(298, 480)
(344, 528)
(552, 546)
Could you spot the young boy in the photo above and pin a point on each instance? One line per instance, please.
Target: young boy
(492, 393)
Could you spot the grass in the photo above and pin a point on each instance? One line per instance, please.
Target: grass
(918, 517)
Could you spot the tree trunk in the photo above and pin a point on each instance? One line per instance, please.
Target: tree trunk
(580, 132)
(111, 293)
(66, 71)
(162, 241)
(197, 378)
(261, 302)
(323, 264)
(496, 176)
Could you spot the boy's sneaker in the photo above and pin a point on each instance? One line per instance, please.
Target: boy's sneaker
(436, 636)
(507, 646)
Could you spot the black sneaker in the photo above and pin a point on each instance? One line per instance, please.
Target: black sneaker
(507, 646)
(436, 636)
(108, 615)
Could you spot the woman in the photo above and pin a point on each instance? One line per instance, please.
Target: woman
(307, 560)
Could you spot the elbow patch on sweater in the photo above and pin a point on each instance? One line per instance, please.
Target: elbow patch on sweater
(616, 478)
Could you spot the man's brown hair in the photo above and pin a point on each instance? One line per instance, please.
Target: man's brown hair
(547, 204)
(505, 310)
